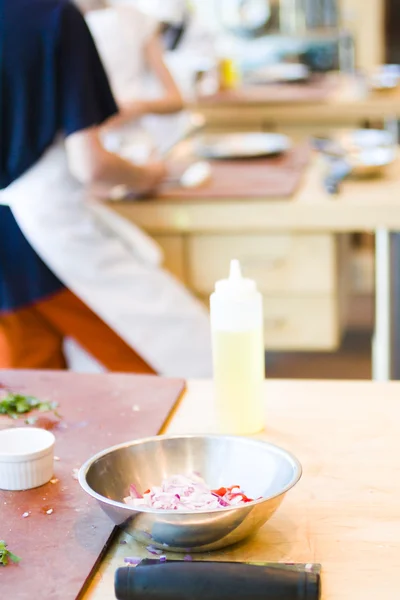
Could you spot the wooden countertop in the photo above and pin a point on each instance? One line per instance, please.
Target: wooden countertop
(363, 205)
(349, 101)
(344, 513)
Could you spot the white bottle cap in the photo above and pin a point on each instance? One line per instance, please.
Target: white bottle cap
(236, 286)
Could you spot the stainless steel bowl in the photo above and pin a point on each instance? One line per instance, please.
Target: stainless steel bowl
(261, 469)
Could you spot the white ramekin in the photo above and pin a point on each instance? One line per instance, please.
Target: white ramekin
(26, 458)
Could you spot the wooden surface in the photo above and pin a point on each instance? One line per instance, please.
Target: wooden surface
(363, 205)
(275, 239)
(307, 323)
(344, 512)
(349, 103)
(317, 89)
(64, 533)
(303, 278)
(293, 263)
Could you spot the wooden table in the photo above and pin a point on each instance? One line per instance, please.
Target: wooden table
(344, 513)
(181, 225)
(350, 103)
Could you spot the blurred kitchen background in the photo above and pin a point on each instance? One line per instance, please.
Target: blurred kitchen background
(354, 37)
(326, 35)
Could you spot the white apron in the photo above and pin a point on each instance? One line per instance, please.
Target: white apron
(114, 268)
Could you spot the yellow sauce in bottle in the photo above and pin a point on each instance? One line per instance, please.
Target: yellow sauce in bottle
(239, 375)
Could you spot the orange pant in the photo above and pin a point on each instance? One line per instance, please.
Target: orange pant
(32, 338)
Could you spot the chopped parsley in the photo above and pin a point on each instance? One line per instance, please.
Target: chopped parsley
(6, 556)
(16, 405)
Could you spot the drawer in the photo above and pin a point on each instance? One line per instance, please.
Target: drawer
(278, 263)
(301, 323)
(293, 323)
(174, 257)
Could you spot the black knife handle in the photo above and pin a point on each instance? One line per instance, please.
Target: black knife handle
(214, 581)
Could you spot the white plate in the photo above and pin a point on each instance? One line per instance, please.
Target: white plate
(241, 145)
(279, 73)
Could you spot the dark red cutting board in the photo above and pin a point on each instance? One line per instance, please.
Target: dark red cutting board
(60, 550)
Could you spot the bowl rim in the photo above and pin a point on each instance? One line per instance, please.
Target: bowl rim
(83, 471)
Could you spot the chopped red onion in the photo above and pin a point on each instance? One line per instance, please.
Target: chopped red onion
(133, 491)
(163, 558)
(187, 558)
(153, 550)
(132, 560)
(186, 493)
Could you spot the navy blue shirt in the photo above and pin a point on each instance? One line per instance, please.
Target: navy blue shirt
(51, 81)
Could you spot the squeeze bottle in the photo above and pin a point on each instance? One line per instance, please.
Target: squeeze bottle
(238, 354)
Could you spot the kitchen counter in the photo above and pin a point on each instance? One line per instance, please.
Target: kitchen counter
(293, 250)
(344, 511)
(349, 103)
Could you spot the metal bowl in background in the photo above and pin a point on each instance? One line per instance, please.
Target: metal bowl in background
(372, 162)
(261, 469)
(369, 151)
(385, 78)
(364, 139)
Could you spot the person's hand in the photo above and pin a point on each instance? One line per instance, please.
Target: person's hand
(154, 174)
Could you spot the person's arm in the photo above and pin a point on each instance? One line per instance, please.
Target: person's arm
(85, 103)
(170, 102)
(92, 165)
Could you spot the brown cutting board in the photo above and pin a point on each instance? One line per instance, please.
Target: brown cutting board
(60, 550)
(273, 177)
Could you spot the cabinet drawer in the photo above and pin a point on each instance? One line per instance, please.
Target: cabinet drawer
(293, 323)
(301, 323)
(278, 263)
(174, 258)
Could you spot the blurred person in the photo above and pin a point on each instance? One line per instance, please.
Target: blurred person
(62, 271)
(152, 51)
(174, 15)
(130, 47)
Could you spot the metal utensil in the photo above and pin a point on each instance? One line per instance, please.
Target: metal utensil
(338, 170)
(263, 470)
(338, 167)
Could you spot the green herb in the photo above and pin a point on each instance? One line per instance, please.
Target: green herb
(6, 555)
(15, 405)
